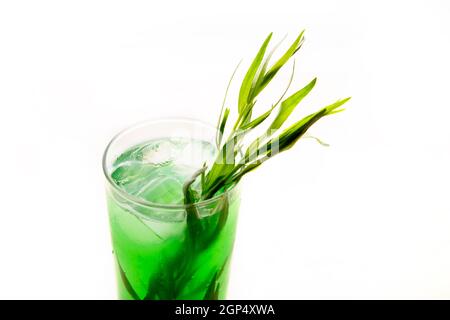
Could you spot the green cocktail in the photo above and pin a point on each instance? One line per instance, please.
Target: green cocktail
(172, 186)
(163, 248)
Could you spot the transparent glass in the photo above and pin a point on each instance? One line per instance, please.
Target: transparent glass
(169, 250)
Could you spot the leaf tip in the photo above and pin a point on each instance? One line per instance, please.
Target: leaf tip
(346, 99)
(302, 33)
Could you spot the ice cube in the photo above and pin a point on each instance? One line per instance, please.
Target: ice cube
(165, 230)
(128, 171)
(160, 153)
(155, 171)
(163, 189)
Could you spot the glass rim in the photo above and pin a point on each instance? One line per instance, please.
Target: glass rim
(146, 203)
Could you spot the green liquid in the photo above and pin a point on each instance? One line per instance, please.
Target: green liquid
(166, 253)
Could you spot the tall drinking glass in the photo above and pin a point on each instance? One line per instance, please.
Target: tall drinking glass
(163, 248)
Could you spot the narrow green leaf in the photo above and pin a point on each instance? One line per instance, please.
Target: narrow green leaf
(211, 292)
(288, 105)
(222, 127)
(214, 285)
(258, 120)
(290, 136)
(286, 108)
(249, 167)
(336, 111)
(223, 164)
(162, 286)
(220, 182)
(255, 144)
(190, 198)
(127, 283)
(246, 115)
(219, 137)
(261, 74)
(288, 85)
(250, 76)
(223, 212)
(333, 108)
(280, 63)
(202, 176)
(319, 141)
(288, 54)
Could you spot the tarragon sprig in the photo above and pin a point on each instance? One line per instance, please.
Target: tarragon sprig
(234, 160)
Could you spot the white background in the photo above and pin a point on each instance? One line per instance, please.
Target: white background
(368, 217)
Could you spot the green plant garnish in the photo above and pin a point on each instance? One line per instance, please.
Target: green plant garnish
(234, 160)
